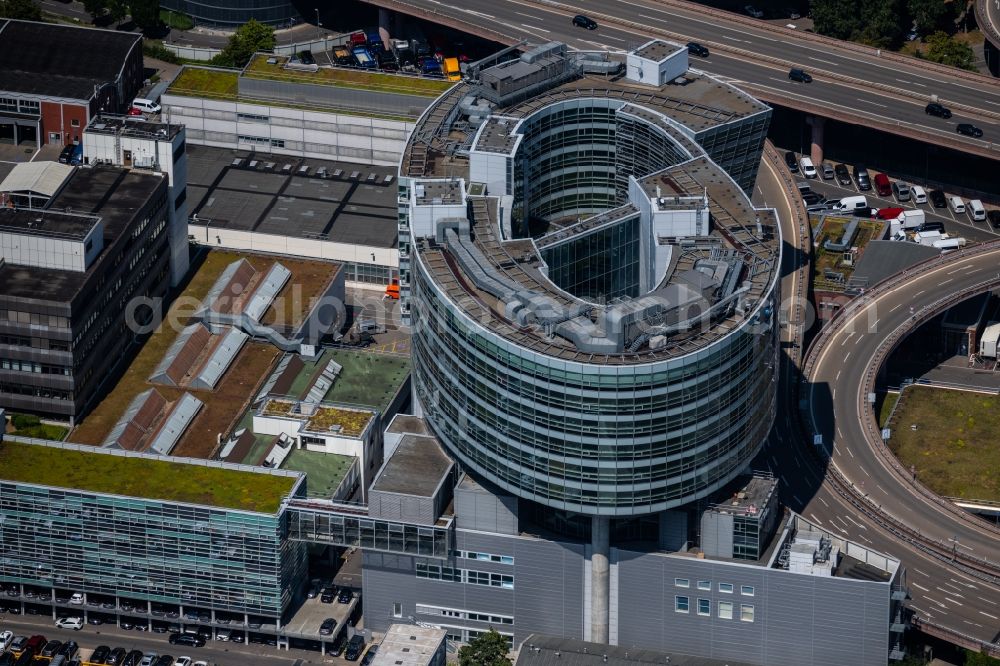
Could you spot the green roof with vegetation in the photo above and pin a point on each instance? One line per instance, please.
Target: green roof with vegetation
(359, 79)
(201, 81)
(326, 470)
(146, 478)
(367, 378)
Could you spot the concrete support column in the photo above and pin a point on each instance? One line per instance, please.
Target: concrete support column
(385, 25)
(816, 148)
(599, 578)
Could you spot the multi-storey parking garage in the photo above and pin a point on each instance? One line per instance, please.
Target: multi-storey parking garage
(591, 291)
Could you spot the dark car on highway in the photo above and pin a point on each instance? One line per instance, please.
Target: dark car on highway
(800, 75)
(582, 21)
(842, 174)
(968, 129)
(938, 199)
(939, 110)
(694, 48)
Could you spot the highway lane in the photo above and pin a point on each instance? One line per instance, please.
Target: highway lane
(939, 593)
(538, 23)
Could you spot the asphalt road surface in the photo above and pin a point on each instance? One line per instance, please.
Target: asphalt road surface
(939, 593)
(539, 23)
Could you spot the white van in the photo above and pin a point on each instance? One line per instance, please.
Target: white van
(956, 204)
(145, 105)
(976, 210)
(850, 204)
(808, 168)
(919, 194)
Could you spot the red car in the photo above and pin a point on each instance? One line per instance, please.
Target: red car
(888, 213)
(882, 185)
(134, 111)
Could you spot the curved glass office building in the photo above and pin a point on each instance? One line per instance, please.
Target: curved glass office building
(592, 294)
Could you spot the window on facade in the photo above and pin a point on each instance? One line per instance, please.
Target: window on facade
(277, 143)
(746, 612)
(75, 122)
(726, 588)
(726, 610)
(705, 585)
(397, 609)
(682, 582)
(681, 604)
(746, 590)
(704, 607)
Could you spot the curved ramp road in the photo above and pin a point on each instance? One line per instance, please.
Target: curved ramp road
(948, 600)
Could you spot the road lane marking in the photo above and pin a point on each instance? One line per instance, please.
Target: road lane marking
(828, 62)
(989, 601)
(849, 450)
(899, 305)
(881, 488)
(922, 291)
(944, 282)
(837, 378)
(815, 519)
(531, 27)
(823, 501)
(992, 617)
(918, 585)
(847, 356)
(935, 601)
(868, 101)
(866, 472)
(796, 498)
(920, 572)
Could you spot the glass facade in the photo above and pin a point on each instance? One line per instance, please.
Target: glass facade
(599, 266)
(592, 438)
(148, 549)
(359, 531)
(737, 147)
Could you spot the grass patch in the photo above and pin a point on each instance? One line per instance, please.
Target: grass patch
(326, 470)
(888, 401)
(29, 425)
(348, 78)
(199, 81)
(953, 447)
(140, 477)
(176, 20)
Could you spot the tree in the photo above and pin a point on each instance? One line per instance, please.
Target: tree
(931, 15)
(835, 18)
(880, 25)
(26, 10)
(96, 8)
(490, 649)
(118, 10)
(146, 13)
(249, 38)
(947, 50)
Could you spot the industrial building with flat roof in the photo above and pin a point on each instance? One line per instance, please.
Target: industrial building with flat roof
(69, 275)
(55, 78)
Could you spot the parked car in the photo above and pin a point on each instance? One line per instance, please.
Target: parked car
(50, 648)
(100, 655)
(182, 661)
(582, 21)
(164, 660)
(326, 629)
(69, 649)
(328, 595)
(345, 596)
(993, 217)
(74, 623)
(187, 639)
(306, 57)
(808, 168)
(919, 194)
(694, 48)
(355, 647)
(314, 589)
(339, 644)
(968, 129)
(939, 110)
(792, 162)
(76, 599)
(6, 638)
(800, 75)
(132, 658)
(862, 178)
(145, 105)
(115, 657)
(882, 185)
(370, 655)
(826, 171)
(842, 174)
(938, 199)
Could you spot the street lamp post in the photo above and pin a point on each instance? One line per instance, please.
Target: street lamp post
(319, 26)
